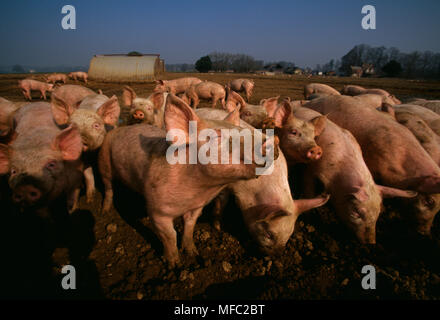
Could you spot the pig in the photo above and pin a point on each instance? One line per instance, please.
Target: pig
(78, 75)
(143, 167)
(95, 115)
(391, 152)
(145, 110)
(43, 161)
(352, 90)
(72, 95)
(91, 117)
(297, 137)
(242, 85)
(27, 85)
(268, 209)
(424, 207)
(433, 105)
(343, 174)
(312, 88)
(206, 90)
(431, 118)
(375, 101)
(176, 86)
(57, 77)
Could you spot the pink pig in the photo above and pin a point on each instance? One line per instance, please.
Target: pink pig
(176, 86)
(27, 85)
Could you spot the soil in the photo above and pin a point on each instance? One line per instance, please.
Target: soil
(117, 256)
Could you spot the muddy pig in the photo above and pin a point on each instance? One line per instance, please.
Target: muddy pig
(79, 75)
(242, 85)
(176, 86)
(431, 118)
(57, 77)
(144, 110)
(391, 152)
(27, 85)
(297, 137)
(268, 209)
(424, 207)
(206, 90)
(342, 173)
(312, 88)
(43, 161)
(143, 167)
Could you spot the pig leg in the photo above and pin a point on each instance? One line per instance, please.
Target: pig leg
(196, 102)
(72, 200)
(105, 168)
(223, 101)
(190, 219)
(27, 95)
(90, 184)
(164, 228)
(214, 102)
(43, 94)
(219, 205)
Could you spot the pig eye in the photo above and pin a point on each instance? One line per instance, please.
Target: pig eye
(51, 165)
(295, 133)
(96, 125)
(429, 202)
(247, 113)
(13, 172)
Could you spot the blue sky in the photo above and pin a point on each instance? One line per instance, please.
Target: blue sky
(305, 32)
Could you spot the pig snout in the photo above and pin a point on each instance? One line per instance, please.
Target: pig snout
(139, 115)
(314, 153)
(26, 195)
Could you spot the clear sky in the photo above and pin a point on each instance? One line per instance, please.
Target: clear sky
(305, 32)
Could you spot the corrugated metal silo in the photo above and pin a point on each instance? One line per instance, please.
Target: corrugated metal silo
(125, 68)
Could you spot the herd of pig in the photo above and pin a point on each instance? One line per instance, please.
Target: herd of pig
(355, 147)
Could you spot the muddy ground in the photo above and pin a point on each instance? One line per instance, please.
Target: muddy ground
(117, 256)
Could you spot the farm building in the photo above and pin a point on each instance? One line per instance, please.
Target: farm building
(123, 67)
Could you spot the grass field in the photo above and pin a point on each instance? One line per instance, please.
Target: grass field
(118, 257)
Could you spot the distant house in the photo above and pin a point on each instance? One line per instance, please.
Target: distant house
(123, 67)
(365, 70)
(275, 68)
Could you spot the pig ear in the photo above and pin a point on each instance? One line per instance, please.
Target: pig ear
(157, 99)
(128, 95)
(178, 114)
(233, 117)
(388, 192)
(61, 110)
(4, 159)
(69, 143)
(281, 114)
(270, 105)
(100, 91)
(388, 108)
(159, 82)
(319, 123)
(308, 204)
(109, 111)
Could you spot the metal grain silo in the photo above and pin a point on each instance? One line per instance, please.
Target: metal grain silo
(125, 68)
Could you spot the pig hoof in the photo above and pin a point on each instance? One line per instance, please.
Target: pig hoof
(90, 196)
(72, 208)
(173, 262)
(217, 226)
(191, 250)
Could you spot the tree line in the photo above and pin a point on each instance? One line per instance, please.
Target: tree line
(388, 61)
